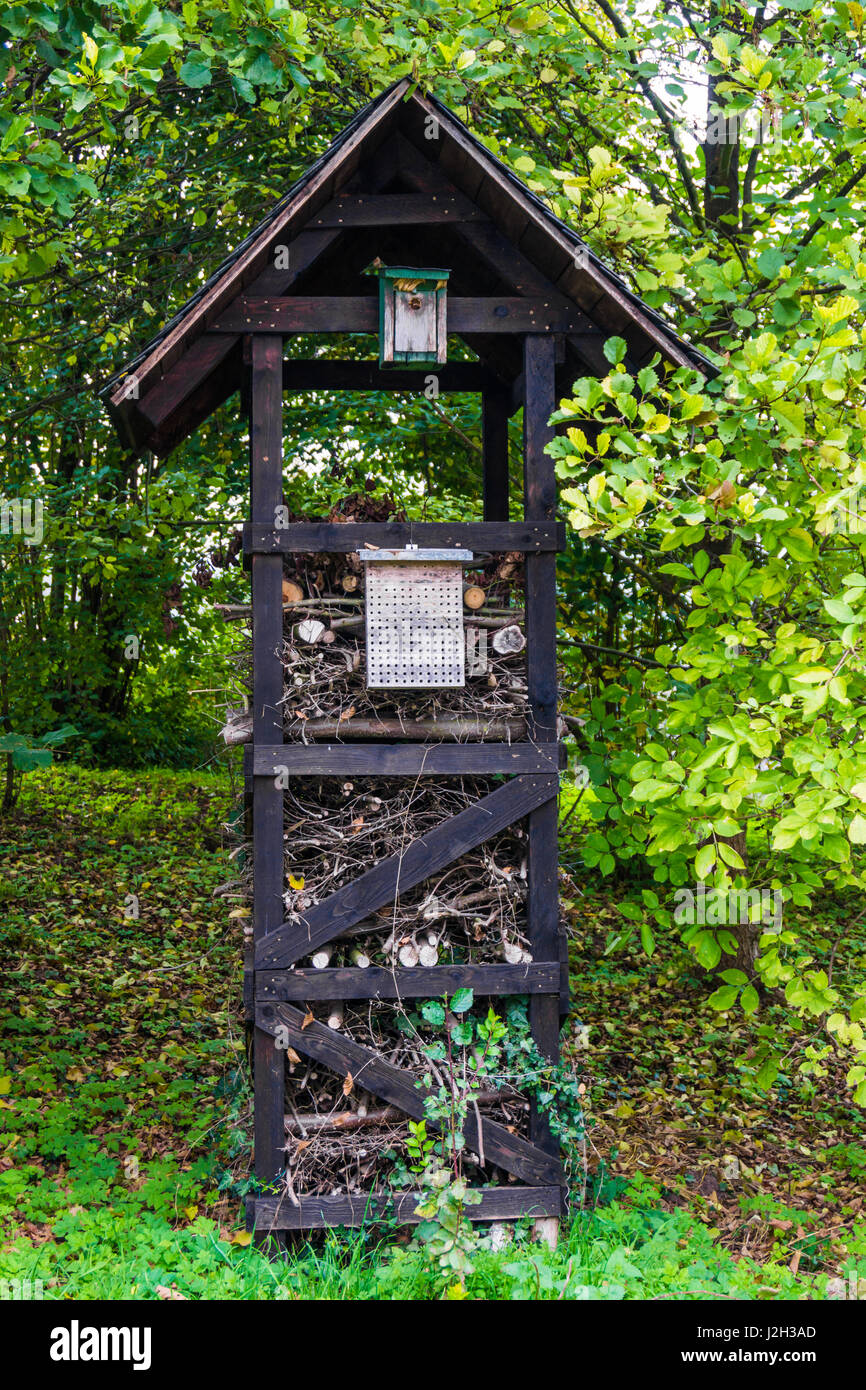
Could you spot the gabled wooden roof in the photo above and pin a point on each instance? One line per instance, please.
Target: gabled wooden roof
(495, 233)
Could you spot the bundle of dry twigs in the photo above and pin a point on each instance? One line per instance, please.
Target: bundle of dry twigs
(340, 1139)
(473, 910)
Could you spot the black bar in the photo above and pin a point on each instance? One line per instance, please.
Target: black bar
(402, 759)
(266, 489)
(422, 982)
(360, 314)
(494, 417)
(317, 1213)
(331, 374)
(313, 536)
(395, 210)
(540, 501)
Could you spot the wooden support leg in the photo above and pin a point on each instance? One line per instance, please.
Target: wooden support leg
(266, 454)
(540, 504)
(494, 417)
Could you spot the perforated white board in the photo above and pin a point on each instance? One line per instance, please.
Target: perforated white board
(415, 625)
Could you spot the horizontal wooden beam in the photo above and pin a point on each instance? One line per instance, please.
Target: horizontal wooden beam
(329, 374)
(371, 1072)
(314, 536)
(395, 210)
(360, 314)
(430, 982)
(264, 1214)
(403, 759)
(399, 872)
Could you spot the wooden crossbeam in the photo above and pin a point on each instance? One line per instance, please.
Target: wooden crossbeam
(403, 759)
(396, 209)
(399, 872)
(431, 982)
(372, 1073)
(312, 537)
(264, 1214)
(331, 374)
(360, 314)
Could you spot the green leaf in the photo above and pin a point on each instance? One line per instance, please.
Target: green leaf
(768, 1073)
(707, 950)
(261, 71)
(196, 73)
(770, 262)
(840, 611)
(704, 860)
(729, 856)
(723, 998)
(791, 415)
(786, 312)
(461, 1000)
(631, 911)
(615, 350)
(647, 939)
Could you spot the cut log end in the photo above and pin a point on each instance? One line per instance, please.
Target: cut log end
(310, 631)
(238, 727)
(292, 592)
(507, 640)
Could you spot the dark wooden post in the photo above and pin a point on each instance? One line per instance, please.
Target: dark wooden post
(266, 494)
(494, 426)
(540, 505)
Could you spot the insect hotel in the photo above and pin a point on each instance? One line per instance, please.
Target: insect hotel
(403, 766)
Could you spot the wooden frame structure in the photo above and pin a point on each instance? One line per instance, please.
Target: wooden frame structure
(408, 183)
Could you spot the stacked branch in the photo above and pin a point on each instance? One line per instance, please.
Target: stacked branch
(473, 910)
(340, 1139)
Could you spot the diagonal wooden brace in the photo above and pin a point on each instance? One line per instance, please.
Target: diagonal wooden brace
(390, 1083)
(423, 857)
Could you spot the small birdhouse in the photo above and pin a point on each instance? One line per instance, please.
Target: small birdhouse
(412, 324)
(414, 602)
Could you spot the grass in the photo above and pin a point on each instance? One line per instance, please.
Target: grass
(125, 1117)
(630, 1248)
